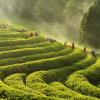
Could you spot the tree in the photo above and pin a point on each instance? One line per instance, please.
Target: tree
(90, 26)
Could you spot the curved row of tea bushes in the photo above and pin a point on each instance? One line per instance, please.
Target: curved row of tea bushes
(63, 73)
(31, 40)
(18, 80)
(42, 44)
(3, 70)
(54, 95)
(33, 57)
(10, 35)
(80, 81)
(7, 39)
(33, 68)
(29, 51)
(39, 81)
(43, 64)
(15, 94)
(15, 35)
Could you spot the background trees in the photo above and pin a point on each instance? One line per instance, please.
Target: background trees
(90, 26)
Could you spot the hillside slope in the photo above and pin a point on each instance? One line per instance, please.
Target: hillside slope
(33, 67)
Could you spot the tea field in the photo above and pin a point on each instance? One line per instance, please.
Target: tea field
(33, 67)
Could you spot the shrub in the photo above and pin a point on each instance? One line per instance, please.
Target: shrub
(29, 51)
(79, 81)
(33, 57)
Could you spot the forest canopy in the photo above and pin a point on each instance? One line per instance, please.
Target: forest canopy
(90, 26)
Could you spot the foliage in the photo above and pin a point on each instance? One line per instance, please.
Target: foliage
(32, 68)
(89, 31)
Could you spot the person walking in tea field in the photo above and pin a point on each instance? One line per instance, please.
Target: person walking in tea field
(93, 53)
(31, 34)
(85, 49)
(73, 45)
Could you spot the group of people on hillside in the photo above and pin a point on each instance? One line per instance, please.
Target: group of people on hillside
(84, 49)
(4, 26)
(33, 34)
(73, 44)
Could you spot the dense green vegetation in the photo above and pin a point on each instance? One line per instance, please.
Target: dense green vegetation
(34, 68)
(90, 31)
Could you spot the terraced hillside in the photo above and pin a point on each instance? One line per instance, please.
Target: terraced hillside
(33, 68)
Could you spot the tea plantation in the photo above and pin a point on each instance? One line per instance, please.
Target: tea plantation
(33, 67)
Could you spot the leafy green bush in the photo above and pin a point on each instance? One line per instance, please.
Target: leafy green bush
(22, 42)
(15, 35)
(44, 63)
(29, 51)
(35, 69)
(90, 31)
(80, 81)
(33, 57)
(42, 44)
